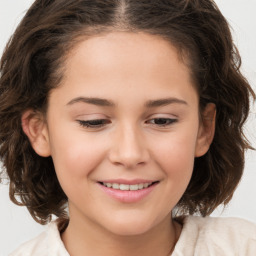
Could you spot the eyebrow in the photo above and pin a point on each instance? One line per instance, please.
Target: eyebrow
(108, 103)
(93, 101)
(164, 102)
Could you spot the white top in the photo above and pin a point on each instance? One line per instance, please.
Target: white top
(199, 237)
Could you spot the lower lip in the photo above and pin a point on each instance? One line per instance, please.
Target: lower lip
(128, 196)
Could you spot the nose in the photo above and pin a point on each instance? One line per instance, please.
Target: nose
(128, 148)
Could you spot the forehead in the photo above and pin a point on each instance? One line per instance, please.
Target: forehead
(146, 50)
(137, 63)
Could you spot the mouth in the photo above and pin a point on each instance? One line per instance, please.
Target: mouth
(128, 187)
(126, 191)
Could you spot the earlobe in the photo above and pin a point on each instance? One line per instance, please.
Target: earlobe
(206, 130)
(35, 127)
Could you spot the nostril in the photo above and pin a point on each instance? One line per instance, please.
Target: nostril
(128, 152)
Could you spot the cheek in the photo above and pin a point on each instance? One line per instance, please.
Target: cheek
(74, 155)
(175, 155)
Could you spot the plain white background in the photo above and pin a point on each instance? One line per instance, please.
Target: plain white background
(17, 226)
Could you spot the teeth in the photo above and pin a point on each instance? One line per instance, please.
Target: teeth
(127, 186)
(141, 186)
(145, 185)
(134, 187)
(115, 186)
(124, 187)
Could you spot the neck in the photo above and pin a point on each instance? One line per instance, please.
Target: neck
(85, 237)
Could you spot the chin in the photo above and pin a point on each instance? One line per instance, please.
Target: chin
(130, 227)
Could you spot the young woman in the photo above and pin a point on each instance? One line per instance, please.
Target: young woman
(131, 113)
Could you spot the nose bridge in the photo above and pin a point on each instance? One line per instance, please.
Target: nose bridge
(129, 147)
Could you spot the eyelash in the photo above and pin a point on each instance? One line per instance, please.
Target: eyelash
(168, 121)
(98, 123)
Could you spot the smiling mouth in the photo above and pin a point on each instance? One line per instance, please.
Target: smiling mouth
(128, 187)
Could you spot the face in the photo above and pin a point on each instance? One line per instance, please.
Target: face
(123, 131)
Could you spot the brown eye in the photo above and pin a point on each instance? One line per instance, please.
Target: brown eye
(162, 121)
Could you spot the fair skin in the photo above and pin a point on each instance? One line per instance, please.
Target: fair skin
(148, 130)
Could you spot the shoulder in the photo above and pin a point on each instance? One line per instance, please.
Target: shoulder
(222, 225)
(45, 244)
(218, 236)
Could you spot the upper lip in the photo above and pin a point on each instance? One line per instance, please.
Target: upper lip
(128, 182)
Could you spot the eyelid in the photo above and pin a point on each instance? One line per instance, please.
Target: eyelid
(88, 124)
(91, 116)
(169, 121)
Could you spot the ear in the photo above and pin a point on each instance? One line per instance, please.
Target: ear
(206, 130)
(35, 127)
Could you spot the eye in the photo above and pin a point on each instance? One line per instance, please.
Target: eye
(97, 123)
(162, 122)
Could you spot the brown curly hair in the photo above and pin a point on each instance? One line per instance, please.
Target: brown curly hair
(33, 64)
